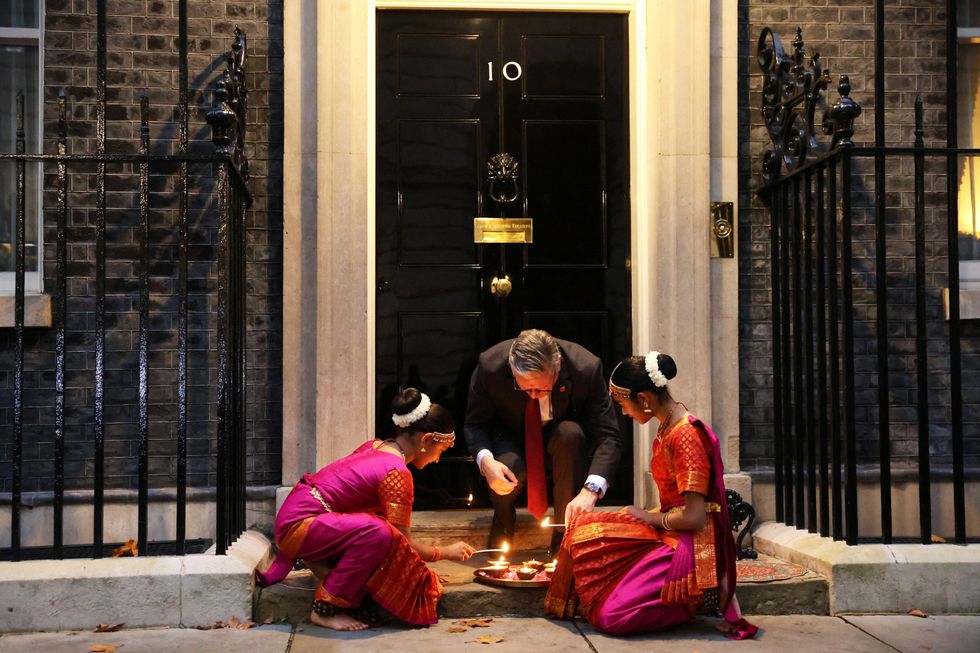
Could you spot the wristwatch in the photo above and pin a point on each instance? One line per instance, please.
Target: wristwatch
(593, 487)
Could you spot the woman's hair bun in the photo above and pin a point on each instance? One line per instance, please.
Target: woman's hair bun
(667, 366)
(406, 401)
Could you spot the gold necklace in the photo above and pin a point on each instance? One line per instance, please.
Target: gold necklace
(663, 425)
(400, 450)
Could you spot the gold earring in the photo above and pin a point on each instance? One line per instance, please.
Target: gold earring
(423, 449)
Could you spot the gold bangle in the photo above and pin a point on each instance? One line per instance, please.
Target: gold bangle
(436, 554)
(665, 522)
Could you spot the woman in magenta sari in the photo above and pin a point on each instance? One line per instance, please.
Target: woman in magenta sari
(637, 570)
(350, 523)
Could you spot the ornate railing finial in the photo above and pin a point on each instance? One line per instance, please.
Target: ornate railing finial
(838, 121)
(792, 88)
(227, 116)
(221, 117)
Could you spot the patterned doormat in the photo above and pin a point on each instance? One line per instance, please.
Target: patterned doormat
(764, 571)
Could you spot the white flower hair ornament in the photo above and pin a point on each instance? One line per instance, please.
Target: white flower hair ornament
(653, 370)
(406, 420)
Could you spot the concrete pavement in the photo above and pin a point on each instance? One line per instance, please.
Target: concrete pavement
(799, 634)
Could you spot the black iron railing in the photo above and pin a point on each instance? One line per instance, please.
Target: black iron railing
(232, 198)
(817, 195)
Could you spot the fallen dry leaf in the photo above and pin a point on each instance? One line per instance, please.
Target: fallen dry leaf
(488, 639)
(456, 629)
(475, 623)
(915, 612)
(129, 548)
(102, 648)
(938, 539)
(108, 628)
(268, 620)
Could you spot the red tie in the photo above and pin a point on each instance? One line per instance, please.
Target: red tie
(537, 494)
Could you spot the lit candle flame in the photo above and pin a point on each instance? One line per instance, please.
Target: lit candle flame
(545, 522)
(469, 499)
(505, 547)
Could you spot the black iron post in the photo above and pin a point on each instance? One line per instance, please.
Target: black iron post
(921, 336)
(61, 320)
(100, 269)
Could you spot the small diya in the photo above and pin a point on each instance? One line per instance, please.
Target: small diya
(534, 564)
(526, 573)
(495, 571)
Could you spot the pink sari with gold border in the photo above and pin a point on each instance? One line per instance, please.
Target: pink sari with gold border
(345, 517)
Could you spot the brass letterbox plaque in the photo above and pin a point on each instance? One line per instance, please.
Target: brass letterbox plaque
(503, 230)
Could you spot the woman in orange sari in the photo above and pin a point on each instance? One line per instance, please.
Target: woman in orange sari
(350, 523)
(638, 570)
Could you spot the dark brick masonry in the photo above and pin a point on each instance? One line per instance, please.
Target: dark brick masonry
(142, 55)
(843, 32)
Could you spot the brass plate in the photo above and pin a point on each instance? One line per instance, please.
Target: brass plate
(503, 582)
(503, 230)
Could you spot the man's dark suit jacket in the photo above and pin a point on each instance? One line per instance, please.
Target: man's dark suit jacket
(580, 394)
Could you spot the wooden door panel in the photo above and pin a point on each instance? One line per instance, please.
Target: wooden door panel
(563, 66)
(564, 189)
(434, 347)
(438, 65)
(438, 184)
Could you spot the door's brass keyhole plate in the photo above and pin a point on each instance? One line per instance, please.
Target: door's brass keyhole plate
(500, 287)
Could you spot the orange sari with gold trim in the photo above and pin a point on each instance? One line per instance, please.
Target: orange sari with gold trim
(605, 546)
(626, 576)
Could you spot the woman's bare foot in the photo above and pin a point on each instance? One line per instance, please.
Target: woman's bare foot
(725, 627)
(338, 621)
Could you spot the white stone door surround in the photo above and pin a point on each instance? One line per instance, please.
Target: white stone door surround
(682, 156)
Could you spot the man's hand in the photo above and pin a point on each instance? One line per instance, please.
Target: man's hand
(584, 502)
(499, 477)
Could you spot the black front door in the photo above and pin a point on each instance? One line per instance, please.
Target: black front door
(454, 89)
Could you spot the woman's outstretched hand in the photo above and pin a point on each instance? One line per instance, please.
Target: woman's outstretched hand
(639, 513)
(457, 551)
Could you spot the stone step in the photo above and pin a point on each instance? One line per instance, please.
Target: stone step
(473, 526)
(807, 594)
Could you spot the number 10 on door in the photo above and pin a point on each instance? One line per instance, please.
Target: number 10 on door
(511, 71)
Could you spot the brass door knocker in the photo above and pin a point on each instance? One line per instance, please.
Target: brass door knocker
(501, 287)
(501, 171)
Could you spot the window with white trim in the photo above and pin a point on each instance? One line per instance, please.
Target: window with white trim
(21, 68)
(968, 135)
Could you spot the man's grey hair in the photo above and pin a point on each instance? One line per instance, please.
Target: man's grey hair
(534, 351)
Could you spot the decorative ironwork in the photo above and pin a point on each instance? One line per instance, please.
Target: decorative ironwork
(792, 88)
(228, 115)
(740, 511)
(839, 119)
(503, 168)
(228, 120)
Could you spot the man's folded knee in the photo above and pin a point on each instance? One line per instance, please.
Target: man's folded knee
(566, 437)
